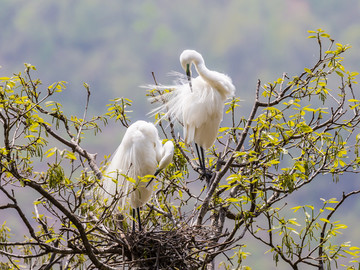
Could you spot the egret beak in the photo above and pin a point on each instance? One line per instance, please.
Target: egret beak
(188, 74)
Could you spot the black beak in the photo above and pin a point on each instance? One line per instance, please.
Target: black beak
(188, 74)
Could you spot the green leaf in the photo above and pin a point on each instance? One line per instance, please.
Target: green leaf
(223, 129)
(293, 222)
(333, 201)
(50, 240)
(50, 154)
(130, 179)
(71, 156)
(300, 167)
(341, 226)
(325, 220)
(339, 73)
(233, 200)
(304, 128)
(296, 208)
(29, 66)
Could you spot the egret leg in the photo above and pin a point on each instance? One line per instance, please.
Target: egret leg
(138, 213)
(133, 215)
(201, 156)
(207, 176)
(202, 165)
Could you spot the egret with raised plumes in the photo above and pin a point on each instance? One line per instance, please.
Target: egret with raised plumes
(198, 103)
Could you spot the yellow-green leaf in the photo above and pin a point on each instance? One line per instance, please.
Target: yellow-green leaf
(71, 155)
(325, 220)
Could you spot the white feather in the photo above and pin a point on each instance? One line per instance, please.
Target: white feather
(137, 156)
(199, 108)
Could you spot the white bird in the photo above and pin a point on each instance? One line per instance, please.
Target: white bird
(138, 155)
(198, 103)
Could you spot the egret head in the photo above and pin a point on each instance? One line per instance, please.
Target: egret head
(167, 155)
(187, 58)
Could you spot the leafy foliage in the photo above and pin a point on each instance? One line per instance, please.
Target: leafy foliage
(299, 128)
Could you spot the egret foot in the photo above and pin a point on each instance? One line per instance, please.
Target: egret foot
(205, 174)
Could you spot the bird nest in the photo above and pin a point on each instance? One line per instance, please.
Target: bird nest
(180, 248)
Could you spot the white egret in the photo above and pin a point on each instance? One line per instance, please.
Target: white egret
(138, 155)
(198, 103)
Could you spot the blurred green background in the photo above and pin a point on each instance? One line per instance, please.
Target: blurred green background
(115, 45)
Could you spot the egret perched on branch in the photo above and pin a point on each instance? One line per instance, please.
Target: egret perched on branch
(138, 155)
(198, 102)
